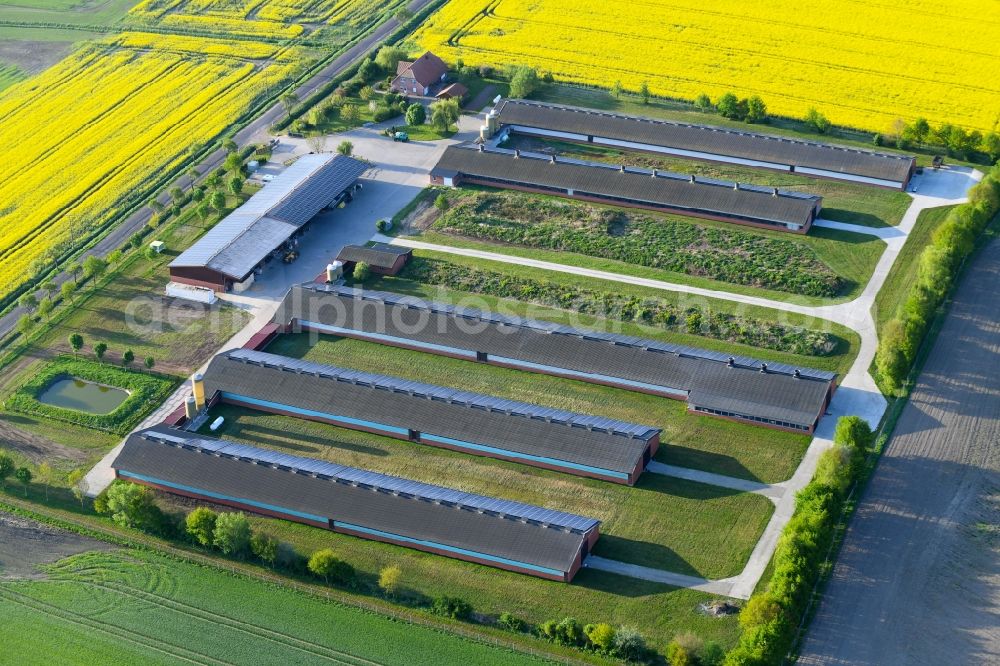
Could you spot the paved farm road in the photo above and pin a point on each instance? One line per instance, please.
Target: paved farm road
(918, 579)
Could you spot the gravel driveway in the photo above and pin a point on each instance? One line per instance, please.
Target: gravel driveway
(918, 579)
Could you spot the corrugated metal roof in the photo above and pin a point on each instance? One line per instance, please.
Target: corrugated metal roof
(630, 185)
(411, 509)
(652, 362)
(240, 241)
(706, 139)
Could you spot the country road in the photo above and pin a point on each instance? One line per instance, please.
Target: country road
(918, 578)
(255, 132)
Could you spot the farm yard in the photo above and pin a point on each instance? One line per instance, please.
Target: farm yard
(825, 264)
(937, 61)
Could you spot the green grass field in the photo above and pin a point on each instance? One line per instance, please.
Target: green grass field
(131, 312)
(904, 271)
(64, 12)
(701, 442)
(839, 361)
(662, 523)
(849, 255)
(133, 607)
(844, 202)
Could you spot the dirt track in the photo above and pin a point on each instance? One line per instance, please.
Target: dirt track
(24, 544)
(918, 579)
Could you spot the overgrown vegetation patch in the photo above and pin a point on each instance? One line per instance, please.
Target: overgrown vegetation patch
(729, 255)
(611, 305)
(145, 392)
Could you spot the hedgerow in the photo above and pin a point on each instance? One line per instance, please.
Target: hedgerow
(145, 392)
(770, 618)
(648, 311)
(728, 255)
(940, 262)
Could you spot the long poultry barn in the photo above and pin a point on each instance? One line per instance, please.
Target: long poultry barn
(733, 387)
(500, 533)
(765, 207)
(449, 418)
(702, 142)
(229, 256)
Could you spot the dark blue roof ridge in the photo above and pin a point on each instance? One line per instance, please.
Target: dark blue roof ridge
(713, 128)
(660, 173)
(560, 329)
(418, 490)
(450, 395)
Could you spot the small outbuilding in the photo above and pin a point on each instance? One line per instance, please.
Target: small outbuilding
(455, 91)
(382, 258)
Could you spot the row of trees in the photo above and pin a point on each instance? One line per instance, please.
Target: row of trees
(768, 621)
(955, 140)
(23, 474)
(132, 506)
(749, 109)
(939, 264)
(100, 349)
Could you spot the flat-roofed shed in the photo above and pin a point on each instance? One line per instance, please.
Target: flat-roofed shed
(714, 383)
(718, 144)
(768, 208)
(434, 415)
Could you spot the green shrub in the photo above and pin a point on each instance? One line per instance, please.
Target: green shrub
(728, 255)
(453, 607)
(601, 636)
(326, 565)
(131, 505)
(200, 525)
(232, 533)
(146, 391)
(569, 631)
(511, 622)
(362, 272)
(629, 644)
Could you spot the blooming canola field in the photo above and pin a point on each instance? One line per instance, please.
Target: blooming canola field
(862, 64)
(90, 135)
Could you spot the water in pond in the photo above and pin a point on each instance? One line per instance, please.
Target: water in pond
(83, 396)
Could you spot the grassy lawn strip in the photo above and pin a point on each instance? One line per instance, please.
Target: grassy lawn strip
(130, 311)
(145, 392)
(844, 202)
(662, 523)
(839, 359)
(904, 271)
(701, 442)
(151, 605)
(849, 255)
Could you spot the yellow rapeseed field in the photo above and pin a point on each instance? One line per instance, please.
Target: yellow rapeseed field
(88, 135)
(862, 63)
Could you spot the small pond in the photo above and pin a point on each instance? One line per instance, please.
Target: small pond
(83, 396)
